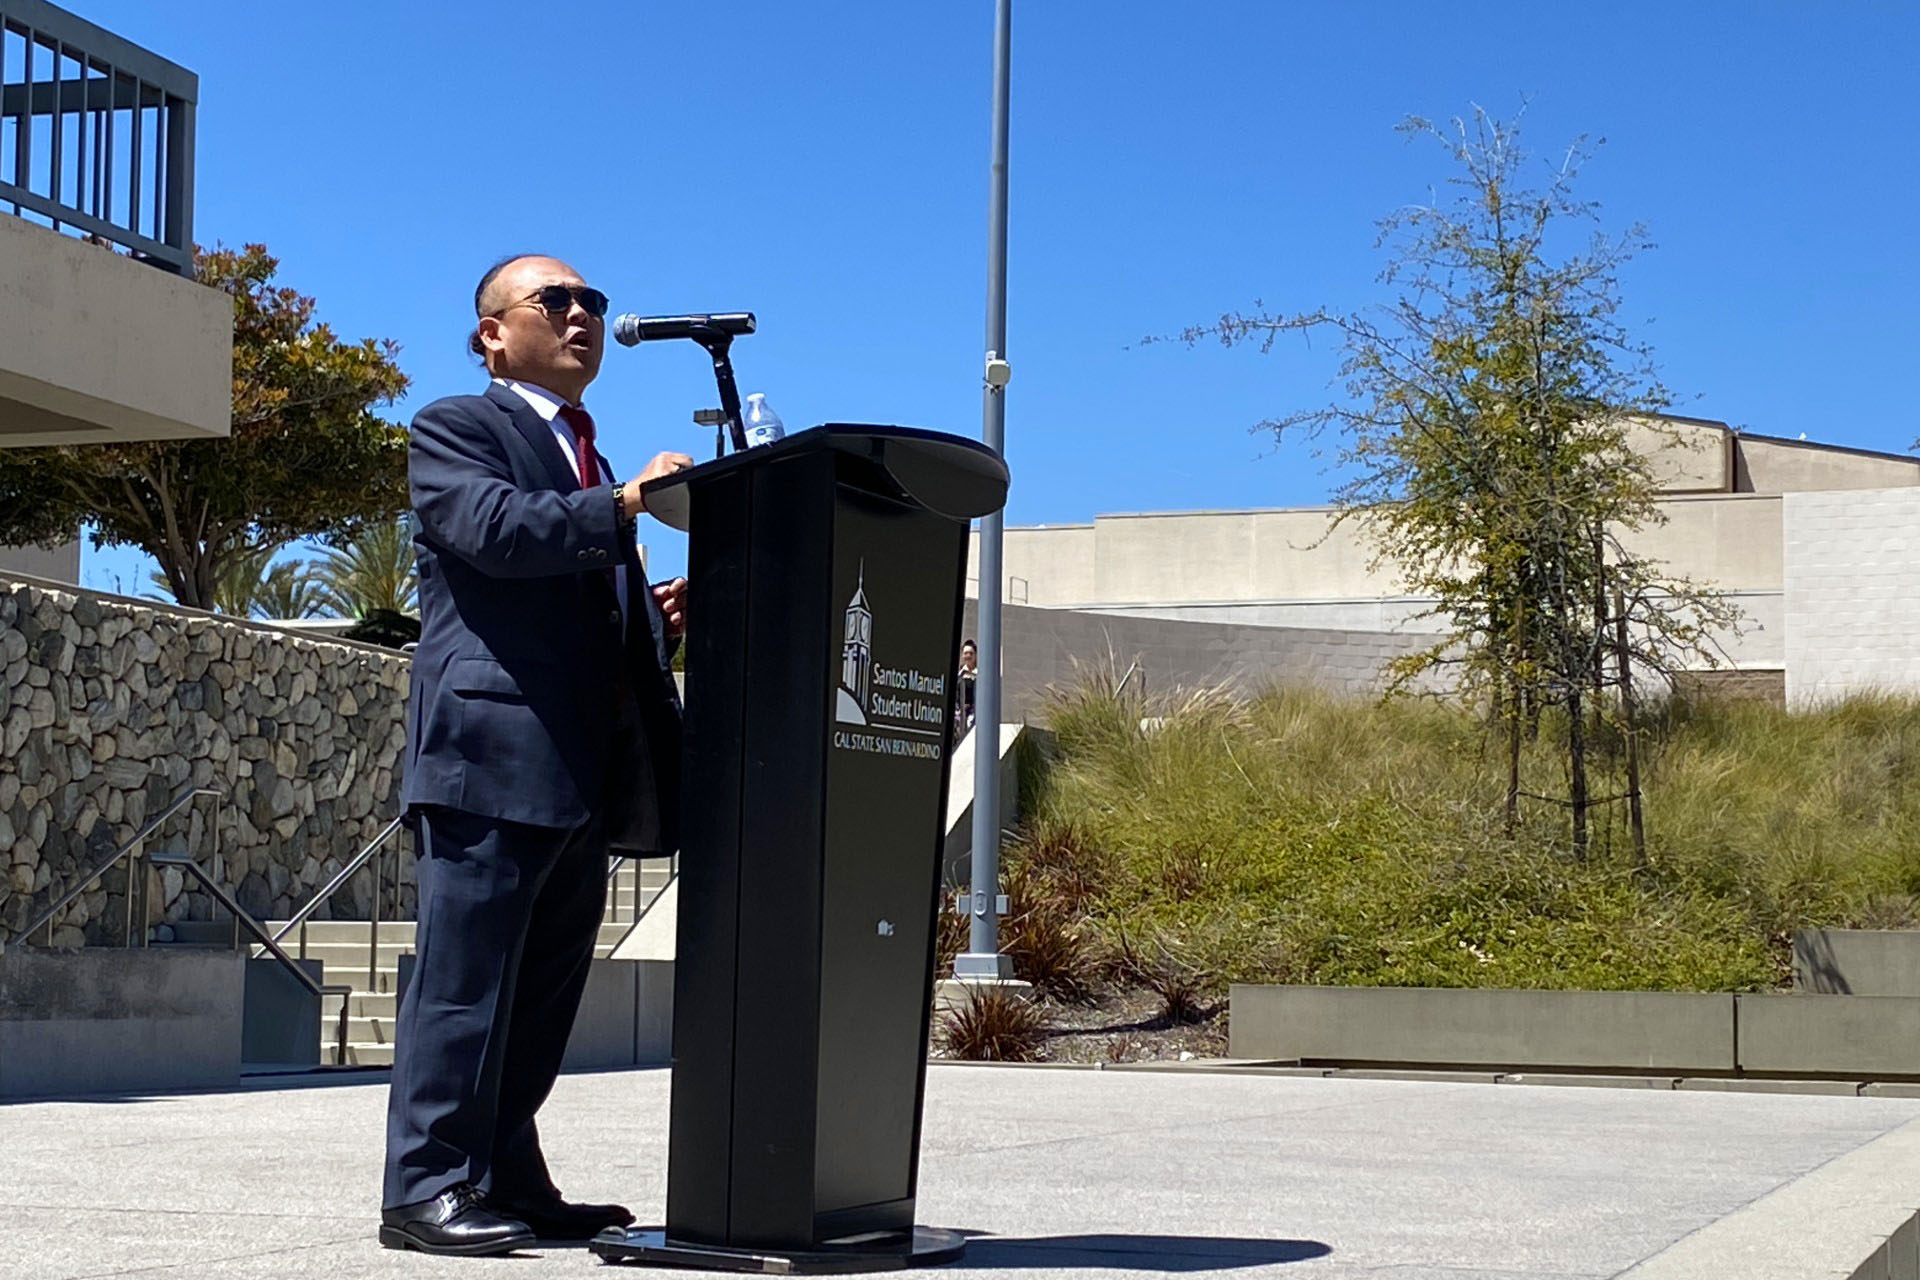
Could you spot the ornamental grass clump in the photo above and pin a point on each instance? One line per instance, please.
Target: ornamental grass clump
(988, 1024)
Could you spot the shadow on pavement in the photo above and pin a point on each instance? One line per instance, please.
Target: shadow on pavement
(1134, 1252)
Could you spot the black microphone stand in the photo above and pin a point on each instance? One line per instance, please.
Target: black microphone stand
(718, 345)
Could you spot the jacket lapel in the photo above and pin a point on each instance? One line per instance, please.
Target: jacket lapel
(539, 435)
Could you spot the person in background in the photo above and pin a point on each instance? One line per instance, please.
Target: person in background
(964, 689)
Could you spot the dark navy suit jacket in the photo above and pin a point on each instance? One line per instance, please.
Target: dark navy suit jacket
(531, 701)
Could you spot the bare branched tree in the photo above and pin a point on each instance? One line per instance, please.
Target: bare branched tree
(1496, 424)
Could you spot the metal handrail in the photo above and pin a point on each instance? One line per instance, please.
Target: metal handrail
(153, 824)
(118, 124)
(359, 860)
(371, 853)
(618, 860)
(259, 931)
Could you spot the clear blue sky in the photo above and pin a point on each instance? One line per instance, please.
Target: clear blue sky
(826, 166)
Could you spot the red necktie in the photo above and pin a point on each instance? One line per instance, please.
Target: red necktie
(589, 462)
(583, 452)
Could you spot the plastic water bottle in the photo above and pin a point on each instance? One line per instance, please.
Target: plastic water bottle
(762, 423)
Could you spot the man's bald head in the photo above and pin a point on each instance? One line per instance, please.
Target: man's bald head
(518, 338)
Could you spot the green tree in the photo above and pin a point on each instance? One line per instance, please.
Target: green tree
(307, 455)
(372, 571)
(1488, 428)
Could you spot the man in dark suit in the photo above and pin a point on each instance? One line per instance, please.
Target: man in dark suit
(543, 729)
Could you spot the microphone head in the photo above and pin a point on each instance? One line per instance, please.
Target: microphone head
(626, 330)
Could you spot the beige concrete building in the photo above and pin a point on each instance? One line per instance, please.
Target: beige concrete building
(1725, 523)
(104, 337)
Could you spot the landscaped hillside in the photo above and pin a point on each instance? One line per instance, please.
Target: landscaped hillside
(1303, 838)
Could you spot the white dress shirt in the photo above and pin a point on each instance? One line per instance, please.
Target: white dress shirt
(548, 406)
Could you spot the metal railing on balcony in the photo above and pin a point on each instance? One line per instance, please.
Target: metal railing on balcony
(96, 134)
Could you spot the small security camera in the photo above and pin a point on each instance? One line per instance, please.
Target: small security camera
(999, 372)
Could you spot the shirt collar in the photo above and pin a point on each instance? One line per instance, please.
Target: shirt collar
(545, 403)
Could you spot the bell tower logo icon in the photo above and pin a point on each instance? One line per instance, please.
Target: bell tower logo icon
(856, 656)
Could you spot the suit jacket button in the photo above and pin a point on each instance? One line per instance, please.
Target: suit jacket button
(614, 617)
(583, 555)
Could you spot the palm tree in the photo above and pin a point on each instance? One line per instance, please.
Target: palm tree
(290, 590)
(252, 586)
(371, 571)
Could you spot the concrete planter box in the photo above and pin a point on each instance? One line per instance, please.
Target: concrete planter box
(625, 1019)
(117, 1021)
(1585, 1030)
(281, 1024)
(1864, 1037)
(1857, 962)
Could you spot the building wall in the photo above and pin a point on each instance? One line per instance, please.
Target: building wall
(1759, 642)
(1767, 465)
(1688, 455)
(57, 564)
(1730, 541)
(1301, 568)
(113, 706)
(1053, 649)
(1852, 588)
(1045, 565)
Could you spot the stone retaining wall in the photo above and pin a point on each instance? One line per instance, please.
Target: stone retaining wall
(112, 706)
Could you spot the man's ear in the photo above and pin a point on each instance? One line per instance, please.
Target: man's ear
(489, 331)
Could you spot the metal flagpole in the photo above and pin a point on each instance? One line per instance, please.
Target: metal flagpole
(982, 959)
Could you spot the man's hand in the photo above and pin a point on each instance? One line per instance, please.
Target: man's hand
(672, 599)
(663, 464)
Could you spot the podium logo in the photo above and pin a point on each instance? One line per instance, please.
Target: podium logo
(856, 656)
(903, 708)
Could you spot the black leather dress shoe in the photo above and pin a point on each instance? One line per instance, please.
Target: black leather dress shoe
(561, 1220)
(458, 1222)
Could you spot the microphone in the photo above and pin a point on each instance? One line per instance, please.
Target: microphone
(629, 330)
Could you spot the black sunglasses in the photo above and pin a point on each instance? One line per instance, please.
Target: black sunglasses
(558, 298)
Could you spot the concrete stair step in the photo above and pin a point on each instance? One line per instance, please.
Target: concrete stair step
(386, 979)
(348, 954)
(343, 931)
(341, 947)
(362, 1030)
(363, 1004)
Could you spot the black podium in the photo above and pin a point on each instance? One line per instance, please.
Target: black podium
(827, 573)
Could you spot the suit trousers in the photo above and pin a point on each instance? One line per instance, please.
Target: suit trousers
(508, 917)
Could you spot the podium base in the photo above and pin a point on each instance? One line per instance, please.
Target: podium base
(879, 1251)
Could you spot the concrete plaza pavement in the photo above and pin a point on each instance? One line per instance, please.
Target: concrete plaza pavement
(1074, 1173)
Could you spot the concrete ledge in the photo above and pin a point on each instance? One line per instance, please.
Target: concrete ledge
(626, 1017)
(1852, 1217)
(653, 1013)
(957, 852)
(1553, 1079)
(1867, 1036)
(118, 1021)
(603, 1032)
(280, 1025)
(97, 348)
(657, 932)
(1857, 962)
(1593, 1030)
